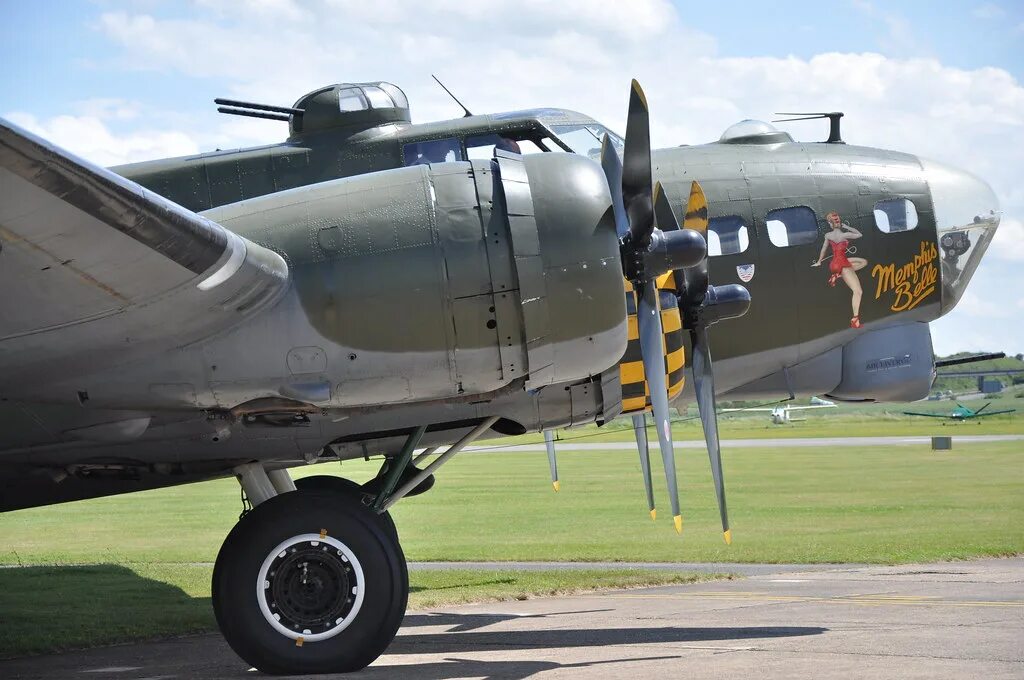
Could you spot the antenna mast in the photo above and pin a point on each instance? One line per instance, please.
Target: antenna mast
(452, 96)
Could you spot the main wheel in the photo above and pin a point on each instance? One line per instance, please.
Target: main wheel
(310, 582)
(346, 487)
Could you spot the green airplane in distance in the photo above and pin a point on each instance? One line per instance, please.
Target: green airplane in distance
(961, 413)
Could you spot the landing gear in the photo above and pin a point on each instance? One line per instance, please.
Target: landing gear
(345, 487)
(310, 581)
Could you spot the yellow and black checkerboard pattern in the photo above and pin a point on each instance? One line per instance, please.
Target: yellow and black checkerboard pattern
(636, 395)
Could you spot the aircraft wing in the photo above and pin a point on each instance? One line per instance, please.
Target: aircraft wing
(735, 410)
(993, 413)
(804, 408)
(928, 415)
(96, 270)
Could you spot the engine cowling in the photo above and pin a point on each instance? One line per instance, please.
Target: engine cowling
(455, 279)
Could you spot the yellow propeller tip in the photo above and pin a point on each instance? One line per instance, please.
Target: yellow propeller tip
(728, 536)
(654, 514)
(678, 521)
(640, 91)
(556, 485)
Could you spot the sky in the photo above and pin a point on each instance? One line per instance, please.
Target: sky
(118, 81)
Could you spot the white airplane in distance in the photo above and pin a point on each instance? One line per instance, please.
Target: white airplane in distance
(780, 415)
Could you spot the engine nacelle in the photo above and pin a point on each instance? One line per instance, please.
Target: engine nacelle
(452, 279)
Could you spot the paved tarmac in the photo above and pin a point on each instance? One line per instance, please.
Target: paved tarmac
(824, 443)
(736, 568)
(946, 620)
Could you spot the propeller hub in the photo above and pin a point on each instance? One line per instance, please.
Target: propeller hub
(665, 251)
(720, 302)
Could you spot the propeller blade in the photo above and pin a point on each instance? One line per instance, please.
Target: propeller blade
(612, 166)
(549, 441)
(636, 167)
(696, 216)
(983, 408)
(653, 350)
(704, 387)
(664, 216)
(640, 431)
(695, 279)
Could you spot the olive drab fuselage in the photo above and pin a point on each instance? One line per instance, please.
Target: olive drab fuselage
(790, 342)
(434, 280)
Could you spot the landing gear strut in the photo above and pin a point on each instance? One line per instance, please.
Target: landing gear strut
(310, 582)
(313, 579)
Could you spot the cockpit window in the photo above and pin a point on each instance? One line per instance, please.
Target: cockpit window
(433, 151)
(397, 96)
(895, 214)
(378, 98)
(586, 139)
(352, 99)
(727, 235)
(482, 146)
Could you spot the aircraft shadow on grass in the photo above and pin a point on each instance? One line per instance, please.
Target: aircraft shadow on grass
(84, 595)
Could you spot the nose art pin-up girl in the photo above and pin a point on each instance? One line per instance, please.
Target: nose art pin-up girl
(842, 267)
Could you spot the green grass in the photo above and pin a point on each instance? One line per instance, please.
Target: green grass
(138, 566)
(878, 504)
(847, 420)
(48, 609)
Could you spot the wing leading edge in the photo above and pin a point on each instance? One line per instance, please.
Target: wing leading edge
(97, 270)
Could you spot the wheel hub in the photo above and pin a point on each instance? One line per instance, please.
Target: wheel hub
(310, 586)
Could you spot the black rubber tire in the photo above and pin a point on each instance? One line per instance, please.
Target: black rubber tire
(386, 582)
(344, 486)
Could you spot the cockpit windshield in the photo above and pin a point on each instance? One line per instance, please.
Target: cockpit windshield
(585, 139)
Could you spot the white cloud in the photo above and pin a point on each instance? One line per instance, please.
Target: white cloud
(511, 54)
(989, 10)
(1008, 243)
(90, 138)
(976, 306)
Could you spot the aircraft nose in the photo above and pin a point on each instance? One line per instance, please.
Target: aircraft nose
(966, 217)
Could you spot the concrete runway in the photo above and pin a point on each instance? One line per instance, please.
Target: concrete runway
(947, 620)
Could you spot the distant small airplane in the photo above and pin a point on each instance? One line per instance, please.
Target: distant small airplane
(780, 414)
(961, 413)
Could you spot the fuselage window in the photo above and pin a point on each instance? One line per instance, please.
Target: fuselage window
(727, 235)
(794, 226)
(433, 151)
(895, 214)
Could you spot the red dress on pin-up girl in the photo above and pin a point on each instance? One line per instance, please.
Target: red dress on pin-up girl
(839, 260)
(841, 266)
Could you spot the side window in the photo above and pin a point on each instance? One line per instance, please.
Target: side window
(895, 214)
(433, 151)
(794, 226)
(482, 146)
(727, 235)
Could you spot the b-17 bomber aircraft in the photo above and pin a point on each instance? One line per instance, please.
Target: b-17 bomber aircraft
(371, 287)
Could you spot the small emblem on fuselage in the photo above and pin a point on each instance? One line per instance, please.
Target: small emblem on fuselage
(745, 272)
